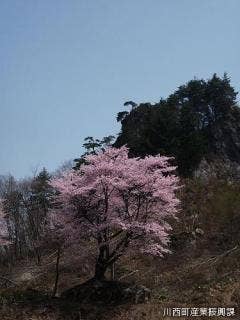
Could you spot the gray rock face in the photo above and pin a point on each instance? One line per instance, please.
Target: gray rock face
(227, 137)
(138, 294)
(223, 158)
(221, 168)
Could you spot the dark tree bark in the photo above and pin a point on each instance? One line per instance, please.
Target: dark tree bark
(113, 271)
(100, 270)
(57, 272)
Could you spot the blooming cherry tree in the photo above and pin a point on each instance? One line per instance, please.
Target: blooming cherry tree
(115, 202)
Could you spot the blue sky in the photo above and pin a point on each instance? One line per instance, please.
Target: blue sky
(67, 67)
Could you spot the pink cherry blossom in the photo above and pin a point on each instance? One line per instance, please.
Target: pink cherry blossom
(117, 202)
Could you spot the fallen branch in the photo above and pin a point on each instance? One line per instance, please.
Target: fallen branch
(51, 255)
(217, 258)
(128, 275)
(8, 280)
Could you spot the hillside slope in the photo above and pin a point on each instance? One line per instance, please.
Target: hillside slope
(202, 271)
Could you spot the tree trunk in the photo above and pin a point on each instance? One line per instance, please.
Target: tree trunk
(38, 255)
(113, 271)
(100, 270)
(57, 272)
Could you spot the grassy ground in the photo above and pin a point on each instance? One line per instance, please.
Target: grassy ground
(202, 271)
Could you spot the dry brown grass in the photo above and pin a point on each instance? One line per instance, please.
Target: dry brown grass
(203, 271)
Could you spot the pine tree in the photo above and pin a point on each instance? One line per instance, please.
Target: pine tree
(39, 204)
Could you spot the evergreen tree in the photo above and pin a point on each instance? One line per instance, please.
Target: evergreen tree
(39, 203)
(92, 146)
(194, 122)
